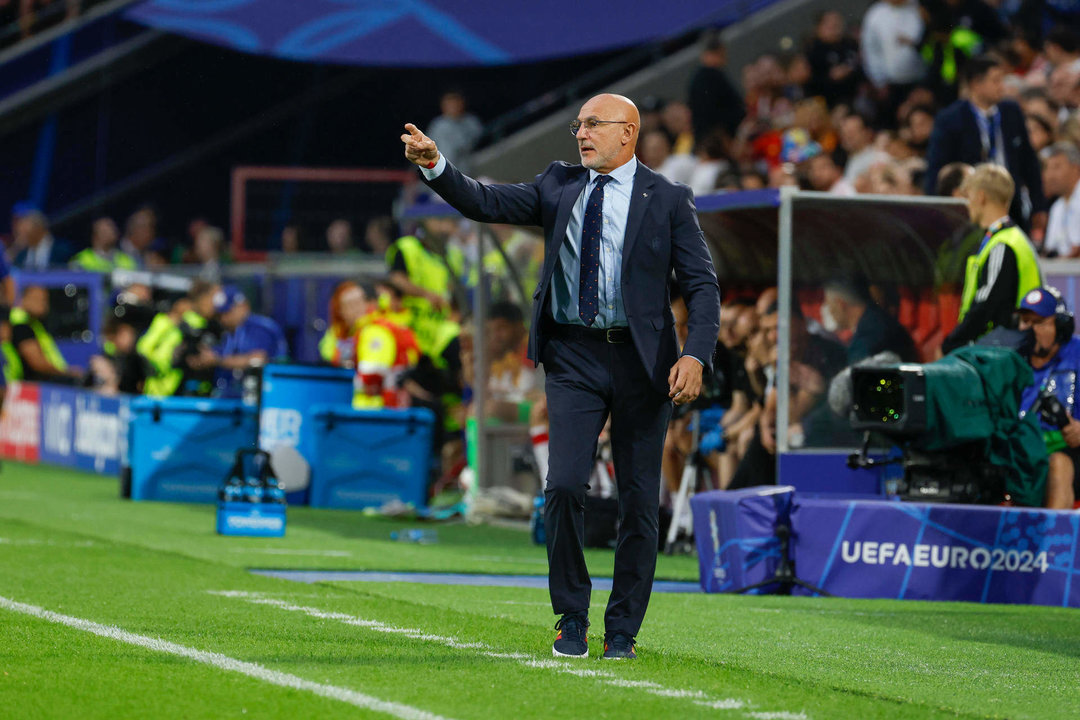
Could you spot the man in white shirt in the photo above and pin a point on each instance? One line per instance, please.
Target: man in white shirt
(891, 31)
(1061, 177)
(857, 137)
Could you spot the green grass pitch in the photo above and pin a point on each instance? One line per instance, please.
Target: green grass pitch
(157, 573)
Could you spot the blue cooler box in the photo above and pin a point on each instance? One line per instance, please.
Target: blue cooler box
(735, 532)
(181, 449)
(251, 519)
(289, 392)
(364, 458)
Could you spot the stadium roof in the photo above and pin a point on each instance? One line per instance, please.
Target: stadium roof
(432, 33)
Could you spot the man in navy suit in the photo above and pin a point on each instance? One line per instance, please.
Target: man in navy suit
(983, 127)
(602, 325)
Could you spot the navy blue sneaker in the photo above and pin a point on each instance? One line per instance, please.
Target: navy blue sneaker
(572, 640)
(619, 646)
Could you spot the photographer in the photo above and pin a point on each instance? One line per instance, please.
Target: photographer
(1055, 359)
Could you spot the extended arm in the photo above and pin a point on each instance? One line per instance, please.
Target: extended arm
(513, 204)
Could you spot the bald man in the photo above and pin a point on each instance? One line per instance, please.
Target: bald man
(602, 325)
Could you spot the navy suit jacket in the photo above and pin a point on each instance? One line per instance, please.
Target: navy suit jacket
(956, 138)
(662, 234)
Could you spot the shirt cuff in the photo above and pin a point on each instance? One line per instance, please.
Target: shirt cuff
(437, 170)
(694, 358)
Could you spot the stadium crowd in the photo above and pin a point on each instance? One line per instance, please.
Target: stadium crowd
(911, 104)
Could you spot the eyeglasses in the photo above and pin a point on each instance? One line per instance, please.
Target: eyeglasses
(591, 123)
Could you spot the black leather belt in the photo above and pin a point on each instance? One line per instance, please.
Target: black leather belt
(616, 335)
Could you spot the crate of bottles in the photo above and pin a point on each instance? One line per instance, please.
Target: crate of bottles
(251, 501)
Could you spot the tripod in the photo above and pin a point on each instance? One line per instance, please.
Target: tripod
(785, 571)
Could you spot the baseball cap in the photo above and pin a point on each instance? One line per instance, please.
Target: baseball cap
(227, 298)
(1042, 301)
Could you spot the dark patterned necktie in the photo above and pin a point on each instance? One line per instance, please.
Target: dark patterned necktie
(589, 274)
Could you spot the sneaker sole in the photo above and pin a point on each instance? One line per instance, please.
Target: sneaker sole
(556, 653)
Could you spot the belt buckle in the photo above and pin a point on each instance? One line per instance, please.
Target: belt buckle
(612, 338)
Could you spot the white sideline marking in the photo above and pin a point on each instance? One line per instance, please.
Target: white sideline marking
(274, 677)
(603, 676)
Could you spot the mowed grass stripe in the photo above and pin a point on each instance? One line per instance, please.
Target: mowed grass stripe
(224, 662)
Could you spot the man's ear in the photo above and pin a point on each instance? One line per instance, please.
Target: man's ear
(629, 133)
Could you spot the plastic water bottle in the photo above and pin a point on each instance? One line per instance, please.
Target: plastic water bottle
(253, 490)
(272, 492)
(415, 535)
(536, 521)
(232, 491)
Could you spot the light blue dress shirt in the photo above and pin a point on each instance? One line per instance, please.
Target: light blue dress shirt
(565, 281)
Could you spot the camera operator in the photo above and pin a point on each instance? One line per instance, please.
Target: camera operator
(1055, 358)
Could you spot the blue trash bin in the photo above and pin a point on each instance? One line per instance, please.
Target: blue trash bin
(364, 458)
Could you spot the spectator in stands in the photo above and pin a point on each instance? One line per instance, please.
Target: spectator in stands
(35, 248)
(513, 383)
(1062, 48)
(1005, 267)
(1055, 359)
(825, 176)
(956, 31)
(1061, 90)
(250, 340)
(385, 351)
(116, 369)
(140, 240)
(984, 128)
(713, 161)
(951, 262)
(857, 139)
(1062, 175)
(207, 251)
(890, 35)
(714, 102)
(815, 359)
(102, 255)
(678, 124)
(656, 149)
(456, 131)
(290, 239)
(834, 61)
(346, 308)
(7, 287)
(378, 234)
(872, 329)
(32, 354)
(1041, 133)
(918, 127)
(339, 240)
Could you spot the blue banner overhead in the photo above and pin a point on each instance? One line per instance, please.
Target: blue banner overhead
(431, 33)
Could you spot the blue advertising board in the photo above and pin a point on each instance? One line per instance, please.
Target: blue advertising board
(872, 549)
(82, 429)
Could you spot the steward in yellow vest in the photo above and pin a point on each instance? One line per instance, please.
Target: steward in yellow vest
(102, 255)
(1003, 270)
(31, 353)
(425, 280)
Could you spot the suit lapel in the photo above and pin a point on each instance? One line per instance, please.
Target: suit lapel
(640, 197)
